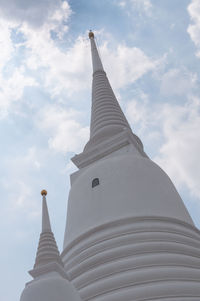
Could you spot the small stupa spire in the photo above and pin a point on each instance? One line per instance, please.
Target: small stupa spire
(50, 280)
(47, 249)
(46, 226)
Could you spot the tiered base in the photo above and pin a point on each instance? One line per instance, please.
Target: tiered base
(136, 259)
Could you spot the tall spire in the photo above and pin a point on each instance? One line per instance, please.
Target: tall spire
(107, 118)
(47, 249)
(96, 61)
(46, 226)
(109, 128)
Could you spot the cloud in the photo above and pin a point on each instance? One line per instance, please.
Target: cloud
(145, 5)
(26, 49)
(64, 132)
(21, 173)
(125, 65)
(141, 6)
(176, 128)
(63, 71)
(60, 70)
(5, 44)
(35, 13)
(194, 28)
(137, 111)
(36, 52)
(179, 153)
(12, 89)
(57, 67)
(178, 82)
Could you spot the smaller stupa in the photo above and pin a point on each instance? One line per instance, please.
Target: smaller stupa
(50, 279)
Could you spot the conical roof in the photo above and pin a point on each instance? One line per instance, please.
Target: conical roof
(50, 279)
(47, 251)
(109, 128)
(107, 118)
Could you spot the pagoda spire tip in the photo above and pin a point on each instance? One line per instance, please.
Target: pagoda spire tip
(46, 226)
(47, 249)
(91, 34)
(43, 192)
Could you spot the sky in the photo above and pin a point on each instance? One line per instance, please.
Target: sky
(151, 52)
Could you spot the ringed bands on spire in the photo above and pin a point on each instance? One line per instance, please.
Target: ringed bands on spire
(107, 118)
(47, 251)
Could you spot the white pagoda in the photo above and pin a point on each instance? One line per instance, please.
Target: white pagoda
(128, 234)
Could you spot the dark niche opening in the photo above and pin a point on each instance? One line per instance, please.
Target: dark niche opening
(95, 182)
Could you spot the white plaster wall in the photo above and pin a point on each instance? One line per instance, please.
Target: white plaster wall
(130, 186)
(50, 288)
(136, 259)
(129, 148)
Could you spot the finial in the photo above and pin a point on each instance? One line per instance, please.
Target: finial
(43, 192)
(91, 34)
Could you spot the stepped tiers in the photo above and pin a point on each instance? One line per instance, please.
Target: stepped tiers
(128, 234)
(130, 237)
(50, 279)
(136, 259)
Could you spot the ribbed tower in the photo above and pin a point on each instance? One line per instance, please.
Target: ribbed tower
(47, 249)
(128, 235)
(107, 117)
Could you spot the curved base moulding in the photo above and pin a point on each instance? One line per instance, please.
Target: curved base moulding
(136, 259)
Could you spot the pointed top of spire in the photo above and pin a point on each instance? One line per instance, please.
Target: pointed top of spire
(91, 34)
(46, 226)
(96, 61)
(47, 252)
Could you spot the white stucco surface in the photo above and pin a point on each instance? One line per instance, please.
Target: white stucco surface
(140, 259)
(130, 186)
(50, 289)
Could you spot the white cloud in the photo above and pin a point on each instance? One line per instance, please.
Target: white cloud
(35, 13)
(59, 71)
(122, 3)
(65, 133)
(177, 82)
(39, 48)
(12, 89)
(141, 6)
(43, 52)
(137, 111)
(178, 126)
(145, 5)
(21, 174)
(126, 64)
(6, 45)
(179, 155)
(194, 28)
(63, 71)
